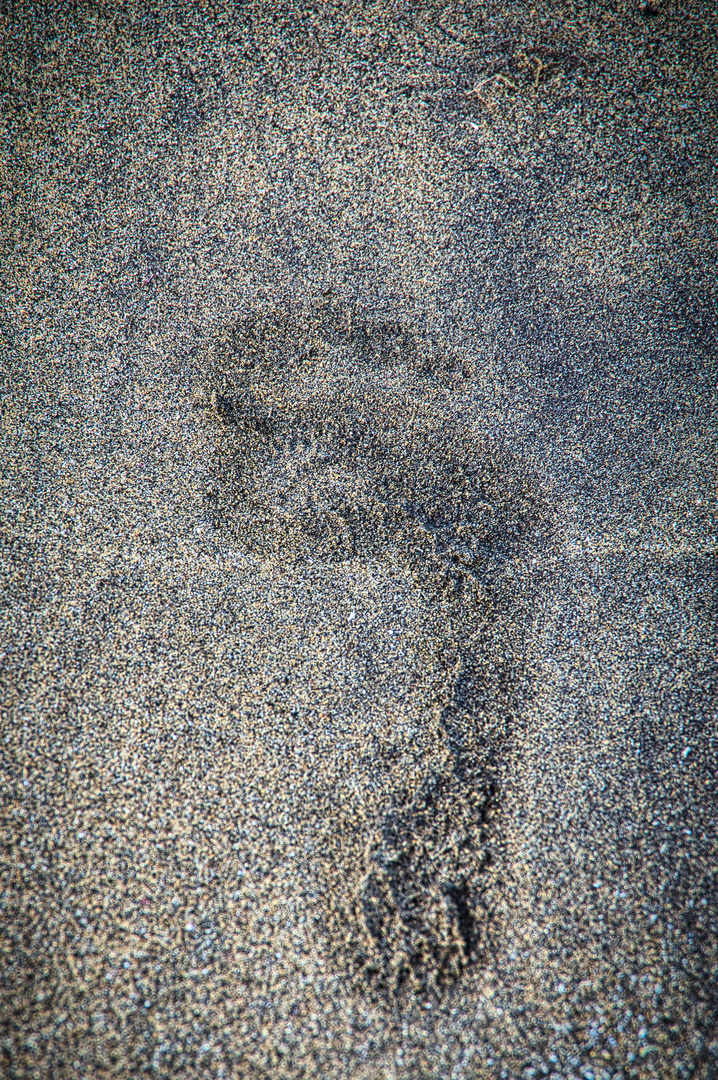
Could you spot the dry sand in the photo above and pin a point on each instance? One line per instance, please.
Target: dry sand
(359, 537)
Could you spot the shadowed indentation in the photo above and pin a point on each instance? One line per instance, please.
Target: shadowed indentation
(331, 443)
(425, 885)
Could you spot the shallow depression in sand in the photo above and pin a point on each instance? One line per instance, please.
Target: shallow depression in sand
(334, 458)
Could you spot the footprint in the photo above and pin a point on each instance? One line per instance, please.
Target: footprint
(421, 903)
(336, 448)
(337, 436)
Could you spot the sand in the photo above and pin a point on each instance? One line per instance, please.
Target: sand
(359, 535)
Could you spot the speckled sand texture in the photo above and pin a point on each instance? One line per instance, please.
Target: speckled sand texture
(358, 653)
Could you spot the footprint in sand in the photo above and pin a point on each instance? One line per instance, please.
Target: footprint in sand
(336, 437)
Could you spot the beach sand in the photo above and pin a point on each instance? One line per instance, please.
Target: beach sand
(359, 535)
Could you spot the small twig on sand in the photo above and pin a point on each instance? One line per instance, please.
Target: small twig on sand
(483, 82)
(449, 33)
(539, 69)
(537, 63)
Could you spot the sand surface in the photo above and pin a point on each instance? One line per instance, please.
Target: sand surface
(358, 674)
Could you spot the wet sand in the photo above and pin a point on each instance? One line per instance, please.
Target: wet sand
(359, 625)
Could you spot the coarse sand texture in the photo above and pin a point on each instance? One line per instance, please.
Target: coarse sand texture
(358, 681)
